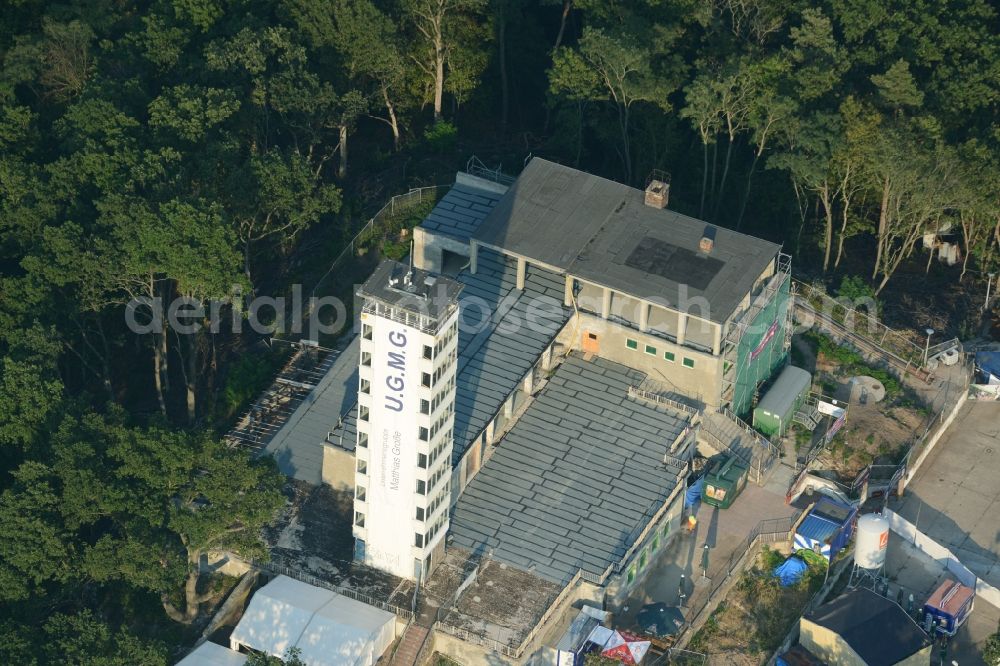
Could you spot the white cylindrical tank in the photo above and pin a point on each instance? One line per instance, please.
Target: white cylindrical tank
(872, 540)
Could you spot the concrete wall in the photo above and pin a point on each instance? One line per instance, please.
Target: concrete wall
(703, 382)
(827, 645)
(667, 529)
(338, 467)
(942, 555)
(429, 249)
(222, 562)
(833, 650)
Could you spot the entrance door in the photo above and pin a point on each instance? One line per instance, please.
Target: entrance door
(591, 344)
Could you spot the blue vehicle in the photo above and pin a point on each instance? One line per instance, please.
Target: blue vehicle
(826, 529)
(948, 608)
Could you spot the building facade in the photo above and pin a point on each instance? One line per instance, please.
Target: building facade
(405, 419)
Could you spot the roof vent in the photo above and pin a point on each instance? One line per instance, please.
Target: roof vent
(658, 189)
(707, 239)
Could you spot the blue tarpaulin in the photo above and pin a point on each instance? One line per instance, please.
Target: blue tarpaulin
(988, 363)
(693, 494)
(790, 571)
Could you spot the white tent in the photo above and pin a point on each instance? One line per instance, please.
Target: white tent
(329, 629)
(211, 654)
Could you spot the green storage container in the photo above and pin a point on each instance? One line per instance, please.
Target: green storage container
(775, 411)
(724, 481)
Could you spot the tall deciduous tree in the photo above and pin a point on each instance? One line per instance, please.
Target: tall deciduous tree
(151, 502)
(369, 42)
(447, 44)
(609, 69)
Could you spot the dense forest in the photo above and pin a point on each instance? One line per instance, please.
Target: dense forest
(167, 148)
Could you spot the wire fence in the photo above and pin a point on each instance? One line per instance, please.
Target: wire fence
(278, 569)
(948, 399)
(377, 224)
(951, 395)
(772, 530)
(679, 656)
(861, 323)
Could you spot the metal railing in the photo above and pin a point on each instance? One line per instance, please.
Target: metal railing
(278, 569)
(651, 395)
(860, 324)
(477, 639)
(742, 321)
(771, 530)
(679, 656)
(475, 167)
(950, 394)
(397, 203)
(423, 323)
(770, 450)
(934, 350)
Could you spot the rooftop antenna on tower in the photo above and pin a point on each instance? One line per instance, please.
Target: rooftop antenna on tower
(408, 279)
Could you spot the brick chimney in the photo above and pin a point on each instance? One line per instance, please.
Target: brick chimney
(657, 193)
(707, 241)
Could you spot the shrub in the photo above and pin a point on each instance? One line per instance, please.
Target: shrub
(395, 250)
(441, 136)
(247, 377)
(855, 288)
(991, 650)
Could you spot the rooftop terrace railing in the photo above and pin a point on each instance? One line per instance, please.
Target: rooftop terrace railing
(475, 167)
(278, 569)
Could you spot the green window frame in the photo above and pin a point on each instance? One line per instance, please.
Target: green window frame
(643, 559)
(656, 543)
(688, 362)
(650, 349)
(631, 574)
(631, 344)
(669, 356)
(665, 530)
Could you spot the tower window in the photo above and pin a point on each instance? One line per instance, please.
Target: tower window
(418, 540)
(359, 519)
(420, 513)
(428, 352)
(366, 331)
(362, 467)
(363, 440)
(366, 387)
(360, 493)
(366, 359)
(425, 379)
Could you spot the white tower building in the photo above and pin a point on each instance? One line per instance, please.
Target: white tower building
(406, 412)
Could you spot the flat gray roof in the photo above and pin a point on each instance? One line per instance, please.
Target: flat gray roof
(602, 232)
(577, 478)
(412, 289)
(494, 357)
(460, 212)
(298, 446)
(492, 361)
(789, 385)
